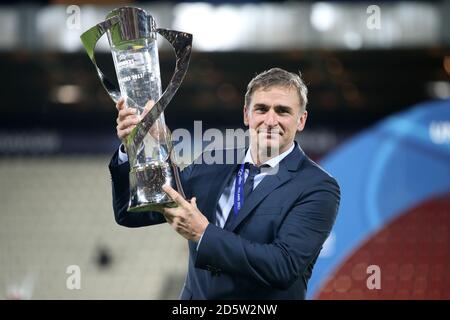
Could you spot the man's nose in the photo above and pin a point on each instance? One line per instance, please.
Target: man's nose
(271, 119)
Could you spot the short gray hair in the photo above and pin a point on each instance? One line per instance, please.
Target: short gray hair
(278, 77)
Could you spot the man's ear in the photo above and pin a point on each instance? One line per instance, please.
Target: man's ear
(245, 115)
(302, 121)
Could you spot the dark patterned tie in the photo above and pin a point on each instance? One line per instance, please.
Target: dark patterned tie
(249, 182)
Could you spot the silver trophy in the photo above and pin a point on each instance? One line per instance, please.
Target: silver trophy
(132, 38)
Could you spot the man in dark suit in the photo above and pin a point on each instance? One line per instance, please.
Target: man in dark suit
(256, 226)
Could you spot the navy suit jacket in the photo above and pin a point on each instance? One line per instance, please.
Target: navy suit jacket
(269, 250)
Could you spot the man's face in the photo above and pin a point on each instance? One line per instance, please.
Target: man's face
(274, 117)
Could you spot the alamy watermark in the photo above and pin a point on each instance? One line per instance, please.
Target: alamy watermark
(218, 146)
(374, 279)
(73, 20)
(373, 21)
(73, 281)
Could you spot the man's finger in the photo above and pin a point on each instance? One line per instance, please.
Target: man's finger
(120, 103)
(194, 202)
(170, 212)
(123, 133)
(175, 196)
(124, 113)
(130, 121)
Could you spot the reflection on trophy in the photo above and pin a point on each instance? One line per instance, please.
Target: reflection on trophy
(132, 38)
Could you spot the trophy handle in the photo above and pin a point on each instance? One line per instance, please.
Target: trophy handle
(174, 167)
(182, 44)
(89, 40)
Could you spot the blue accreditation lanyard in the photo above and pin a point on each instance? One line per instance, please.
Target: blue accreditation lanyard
(239, 190)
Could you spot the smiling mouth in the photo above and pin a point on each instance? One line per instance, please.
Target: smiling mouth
(270, 134)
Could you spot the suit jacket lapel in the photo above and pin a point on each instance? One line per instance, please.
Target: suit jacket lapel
(286, 167)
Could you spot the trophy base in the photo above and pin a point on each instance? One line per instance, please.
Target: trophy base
(146, 193)
(158, 207)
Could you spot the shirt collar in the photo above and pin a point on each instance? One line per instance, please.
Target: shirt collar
(273, 162)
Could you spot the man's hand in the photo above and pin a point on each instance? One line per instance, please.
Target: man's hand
(186, 219)
(128, 118)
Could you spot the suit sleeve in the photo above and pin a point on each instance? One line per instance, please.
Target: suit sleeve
(121, 197)
(280, 263)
